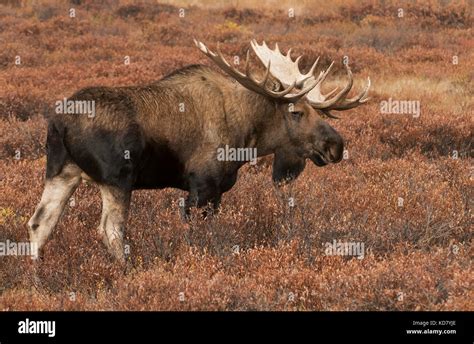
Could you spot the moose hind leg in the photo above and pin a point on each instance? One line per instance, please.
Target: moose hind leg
(57, 191)
(115, 204)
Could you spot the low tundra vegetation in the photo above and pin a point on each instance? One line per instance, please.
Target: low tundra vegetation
(404, 189)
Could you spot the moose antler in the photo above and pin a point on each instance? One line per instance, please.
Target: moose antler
(285, 69)
(248, 81)
(339, 101)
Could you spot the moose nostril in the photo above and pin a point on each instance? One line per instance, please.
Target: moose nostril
(34, 226)
(336, 152)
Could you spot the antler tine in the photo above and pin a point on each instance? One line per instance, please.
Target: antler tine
(305, 90)
(288, 90)
(247, 64)
(297, 61)
(313, 68)
(355, 101)
(328, 103)
(247, 71)
(227, 64)
(277, 49)
(324, 74)
(332, 92)
(319, 80)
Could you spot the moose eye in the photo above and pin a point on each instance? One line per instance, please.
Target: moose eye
(297, 114)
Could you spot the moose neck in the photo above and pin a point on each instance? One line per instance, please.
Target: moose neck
(267, 128)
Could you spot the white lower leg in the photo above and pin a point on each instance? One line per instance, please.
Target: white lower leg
(56, 193)
(115, 204)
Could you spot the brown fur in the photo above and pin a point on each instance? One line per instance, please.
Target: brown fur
(172, 148)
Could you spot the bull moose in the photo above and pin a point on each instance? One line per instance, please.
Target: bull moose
(166, 134)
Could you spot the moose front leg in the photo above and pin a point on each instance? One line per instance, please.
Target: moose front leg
(203, 192)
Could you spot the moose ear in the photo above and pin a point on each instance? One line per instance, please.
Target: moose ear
(287, 166)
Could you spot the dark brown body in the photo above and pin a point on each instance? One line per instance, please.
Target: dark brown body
(172, 130)
(166, 135)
